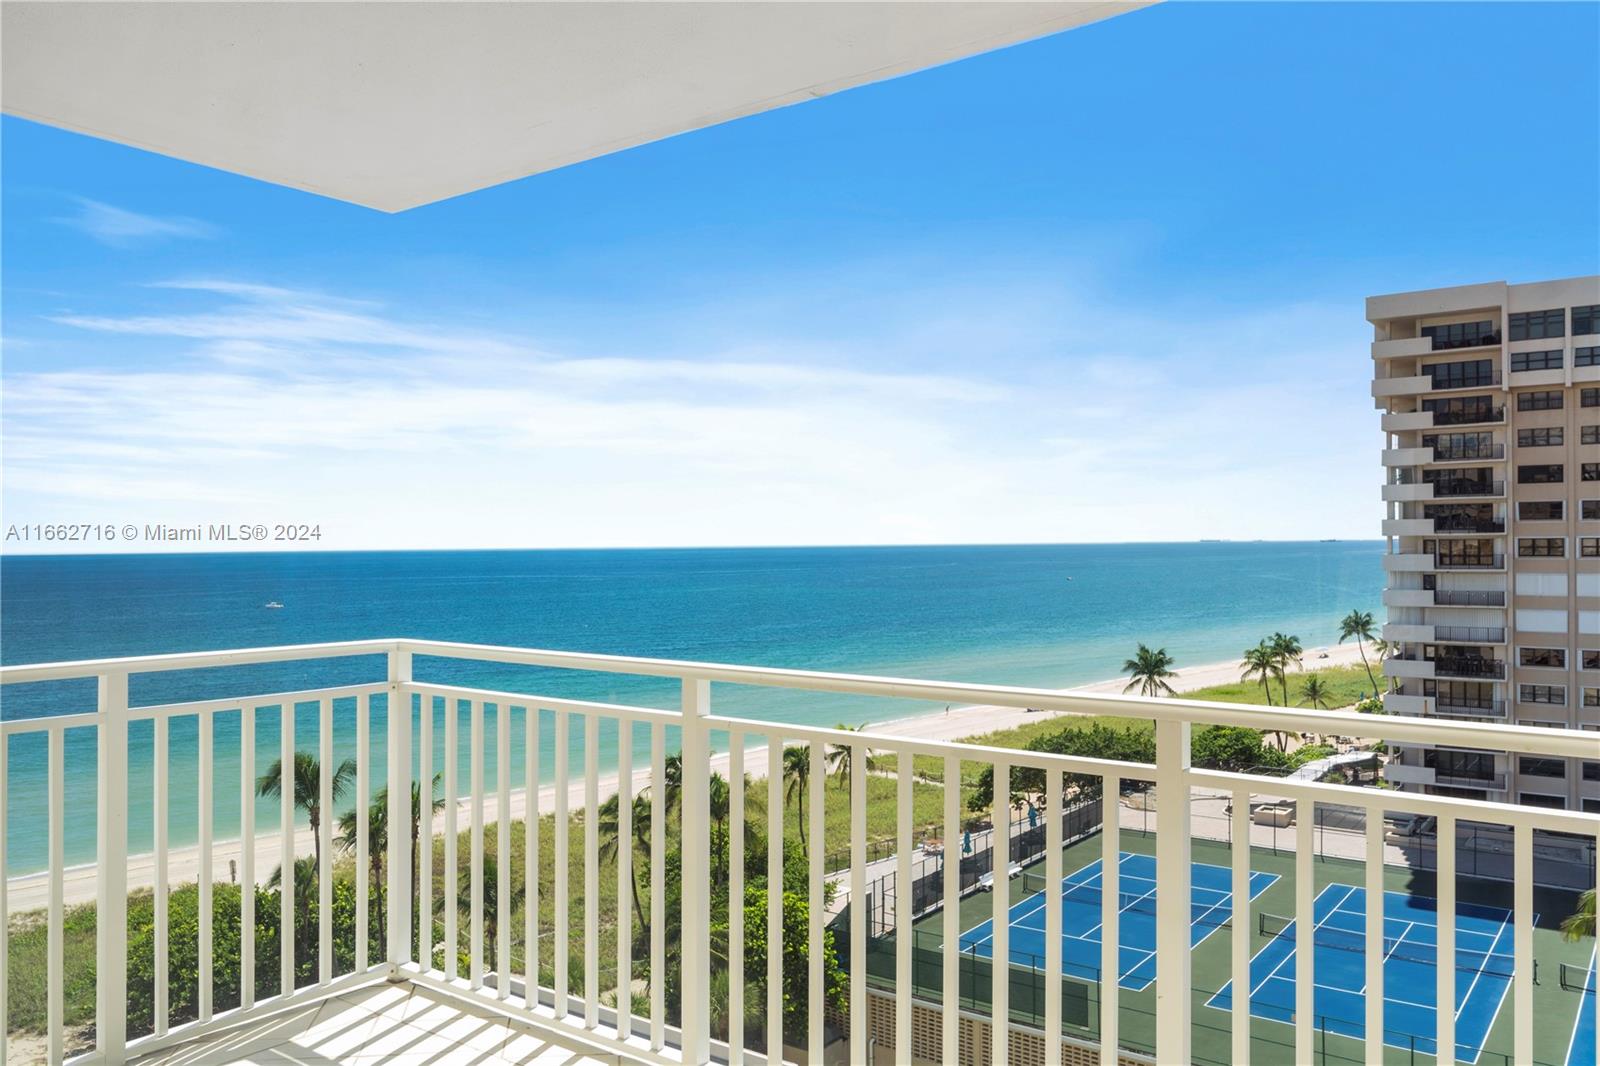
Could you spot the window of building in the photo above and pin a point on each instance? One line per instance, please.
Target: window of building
(1534, 799)
(1462, 334)
(1591, 697)
(1591, 660)
(1589, 547)
(1591, 806)
(1589, 510)
(1591, 771)
(1540, 766)
(1541, 547)
(1541, 511)
(1540, 474)
(1589, 356)
(1589, 434)
(1585, 320)
(1551, 437)
(1543, 400)
(1549, 359)
(1554, 657)
(1591, 471)
(1469, 374)
(1531, 325)
(1552, 694)
(1586, 398)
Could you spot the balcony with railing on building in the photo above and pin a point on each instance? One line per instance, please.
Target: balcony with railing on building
(1478, 334)
(1469, 665)
(1465, 699)
(1469, 634)
(1459, 447)
(1464, 411)
(1469, 561)
(1455, 484)
(1465, 769)
(1464, 518)
(1468, 598)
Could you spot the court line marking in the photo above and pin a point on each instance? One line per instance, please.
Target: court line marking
(1590, 988)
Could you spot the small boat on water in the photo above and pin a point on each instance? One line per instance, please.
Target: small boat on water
(273, 605)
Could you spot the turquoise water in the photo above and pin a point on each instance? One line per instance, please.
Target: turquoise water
(1030, 615)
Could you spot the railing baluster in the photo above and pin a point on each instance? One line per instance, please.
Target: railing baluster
(111, 949)
(325, 842)
(1375, 935)
(1000, 939)
(591, 871)
(816, 781)
(475, 858)
(205, 977)
(363, 799)
(563, 915)
(904, 906)
(695, 834)
(625, 879)
(658, 889)
(735, 898)
(425, 831)
(247, 856)
(530, 858)
(1522, 919)
(502, 865)
(452, 833)
(160, 901)
(860, 1032)
(1173, 874)
(1052, 917)
(950, 862)
(55, 965)
(774, 898)
(1110, 917)
(1241, 927)
(1305, 927)
(1445, 951)
(399, 813)
(286, 850)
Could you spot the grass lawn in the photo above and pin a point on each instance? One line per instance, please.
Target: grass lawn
(1346, 685)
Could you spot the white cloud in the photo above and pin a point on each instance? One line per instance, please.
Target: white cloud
(283, 405)
(121, 228)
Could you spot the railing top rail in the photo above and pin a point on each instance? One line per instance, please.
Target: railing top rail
(196, 660)
(1522, 739)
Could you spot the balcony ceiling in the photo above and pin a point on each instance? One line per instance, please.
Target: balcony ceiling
(397, 104)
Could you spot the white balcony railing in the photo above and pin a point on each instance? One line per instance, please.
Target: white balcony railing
(537, 978)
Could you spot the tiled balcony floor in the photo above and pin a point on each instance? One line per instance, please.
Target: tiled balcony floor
(391, 1024)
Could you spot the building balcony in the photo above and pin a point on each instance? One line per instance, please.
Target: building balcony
(1456, 526)
(1471, 417)
(477, 961)
(1407, 347)
(1401, 703)
(1467, 487)
(1445, 453)
(1398, 773)
(1408, 597)
(1408, 563)
(1469, 666)
(1408, 666)
(1408, 527)
(1389, 388)
(1407, 456)
(1404, 421)
(1469, 635)
(1408, 491)
(1483, 562)
(1456, 707)
(1489, 782)
(1401, 632)
(1469, 598)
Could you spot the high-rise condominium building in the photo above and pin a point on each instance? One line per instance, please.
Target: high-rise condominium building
(1491, 412)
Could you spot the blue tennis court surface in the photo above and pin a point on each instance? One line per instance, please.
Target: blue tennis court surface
(1483, 960)
(1211, 903)
(1582, 1050)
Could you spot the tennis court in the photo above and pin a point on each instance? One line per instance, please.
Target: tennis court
(1582, 1051)
(1483, 960)
(1211, 904)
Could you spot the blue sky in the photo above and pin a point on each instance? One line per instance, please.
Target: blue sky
(1103, 286)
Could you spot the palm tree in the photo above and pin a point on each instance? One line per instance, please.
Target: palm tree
(1316, 692)
(1149, 671)
(840, 756)
(491, 904)
(610, 841)
(378, 837)
(307, 775)
(1288, 652)
(1261, 662)
(797, 772)
(1357, 625)
(1580, 923)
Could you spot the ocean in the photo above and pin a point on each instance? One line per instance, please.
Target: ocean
(1048, 615)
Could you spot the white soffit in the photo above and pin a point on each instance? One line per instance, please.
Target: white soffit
(394, 104)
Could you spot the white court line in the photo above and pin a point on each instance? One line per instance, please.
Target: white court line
(1505, 986)
(1588, 989)
(1291, 952)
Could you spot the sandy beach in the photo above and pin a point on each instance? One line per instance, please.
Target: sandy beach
(183, 864)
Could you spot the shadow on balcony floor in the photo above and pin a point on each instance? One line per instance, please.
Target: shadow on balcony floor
(391, 1025)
